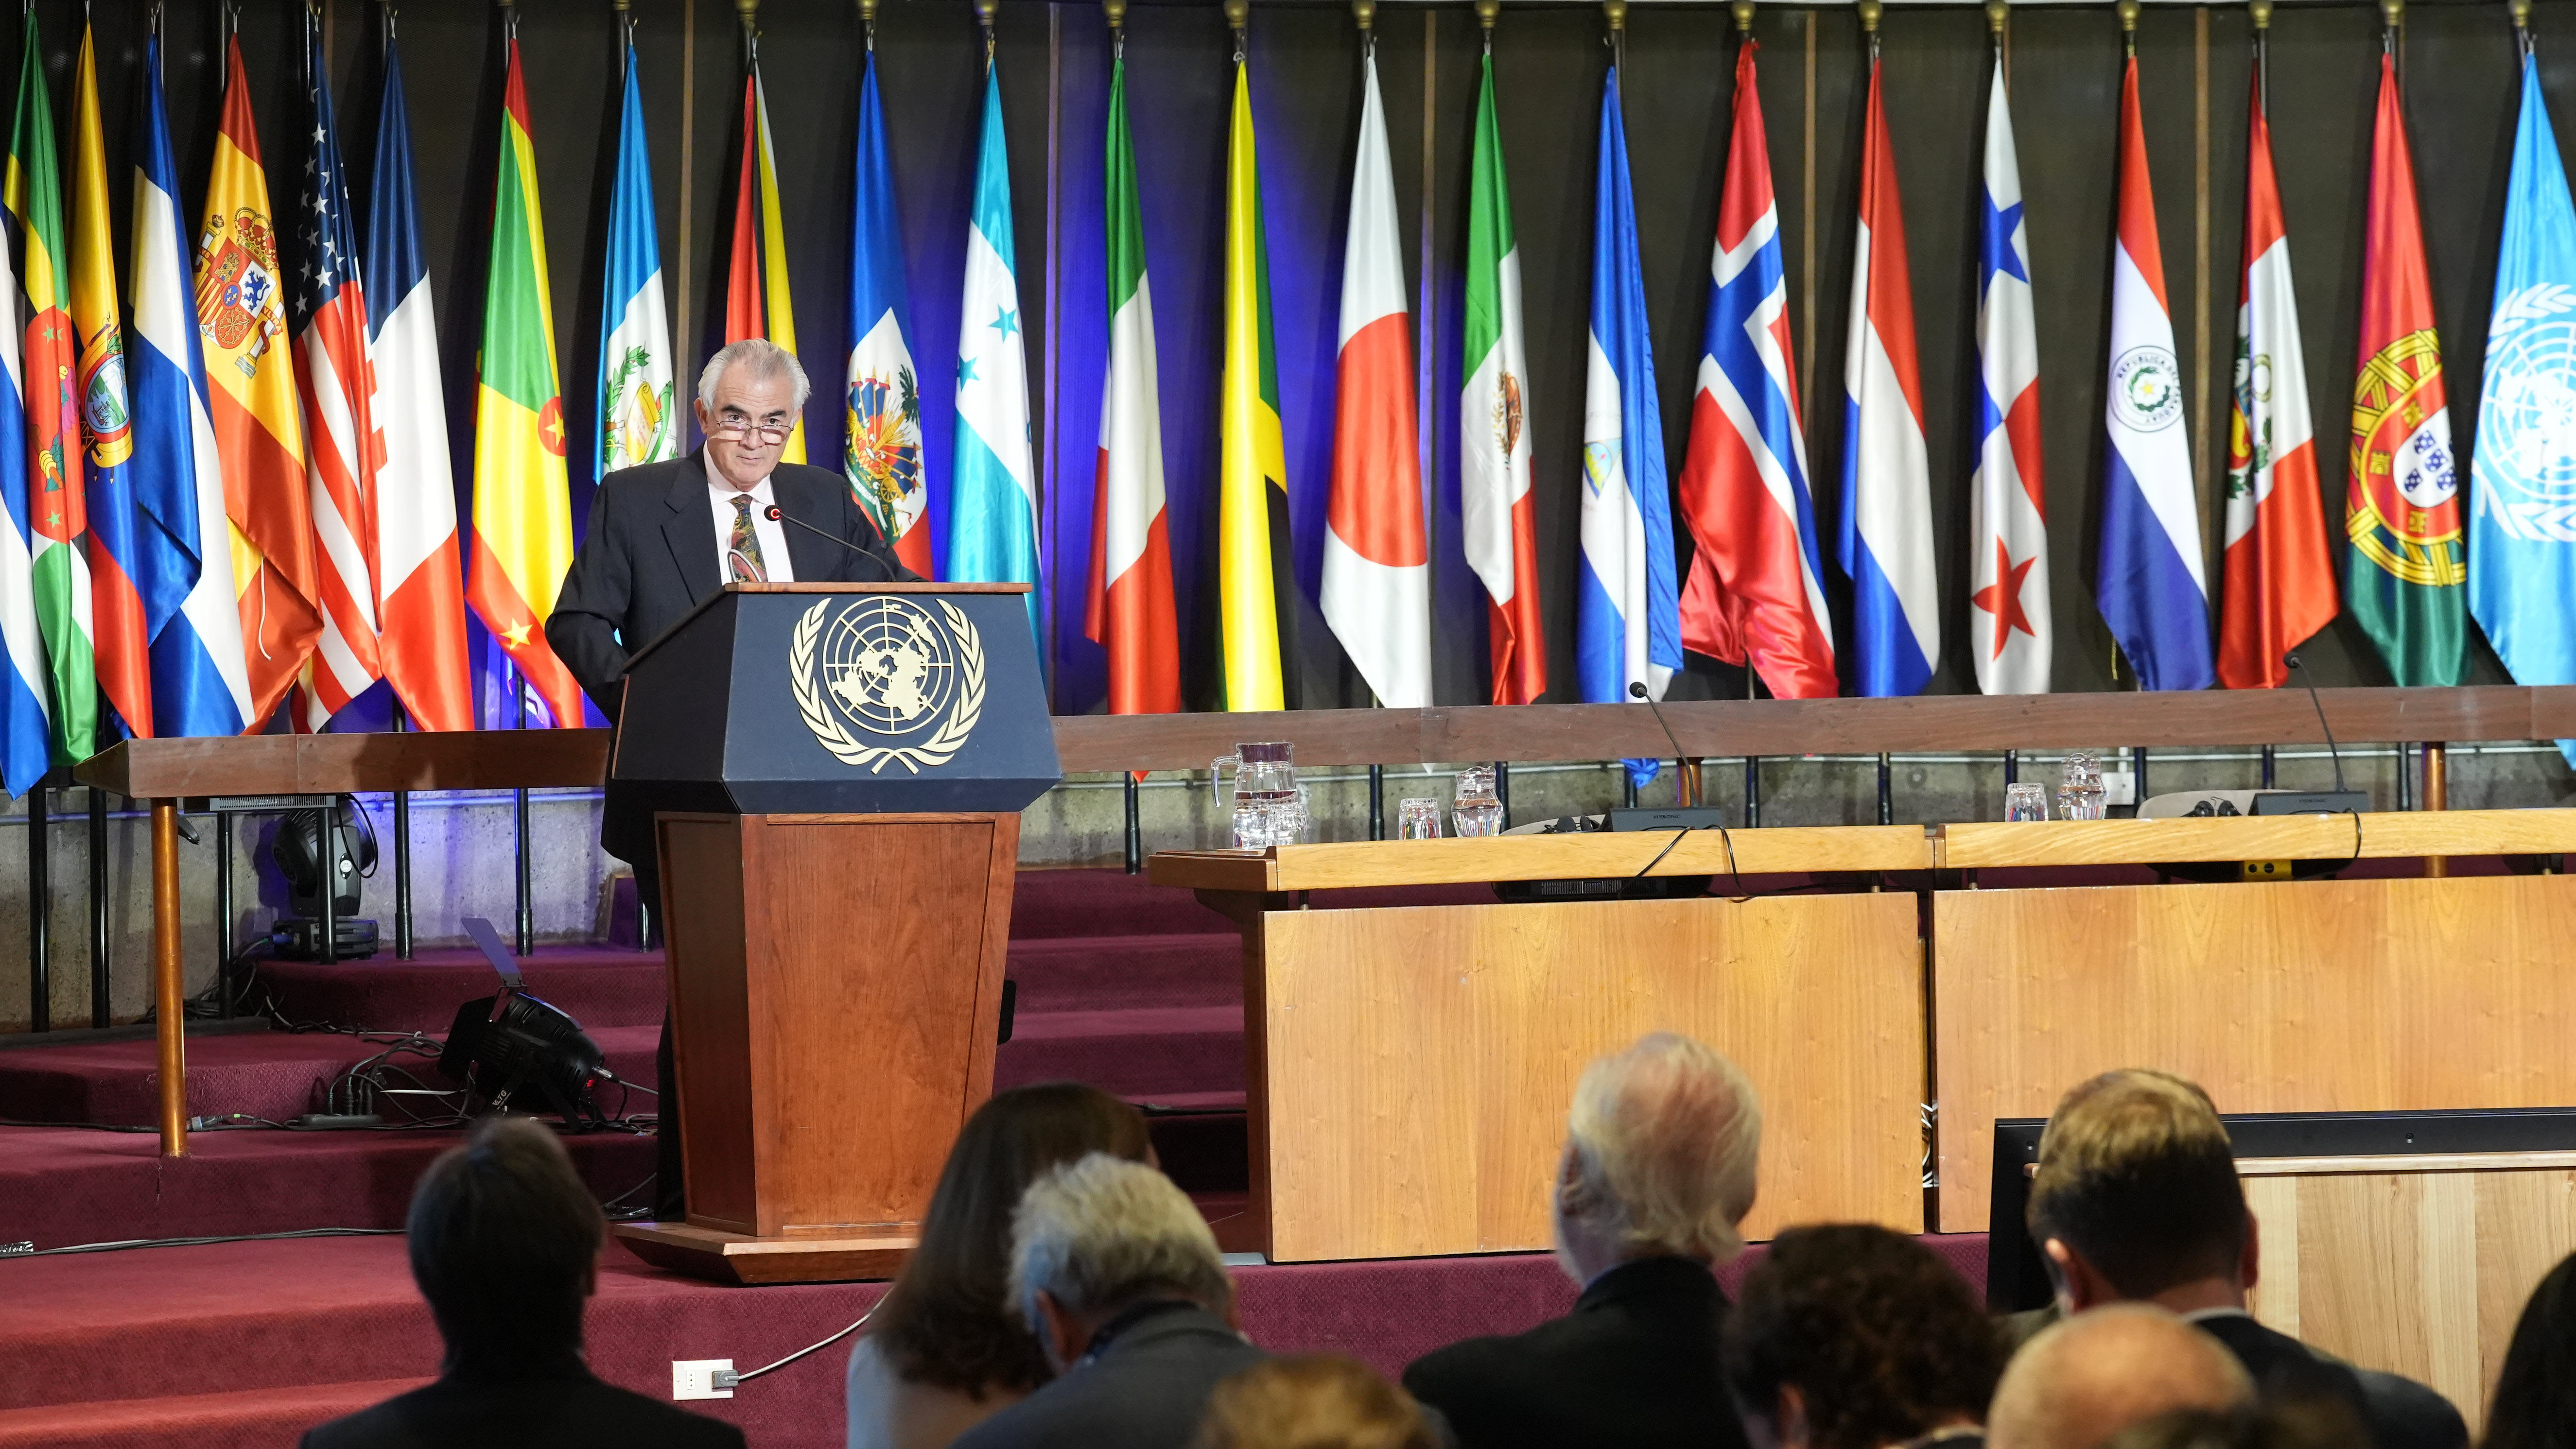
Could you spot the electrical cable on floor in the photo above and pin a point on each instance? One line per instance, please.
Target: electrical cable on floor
(27, 1250)
(724, 1380)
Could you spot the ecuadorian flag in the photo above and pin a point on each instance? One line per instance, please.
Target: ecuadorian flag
(522, 506)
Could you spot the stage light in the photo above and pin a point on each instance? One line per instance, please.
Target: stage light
(510, 1046)
(300, 855)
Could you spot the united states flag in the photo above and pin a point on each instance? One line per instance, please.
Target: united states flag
(336, 381)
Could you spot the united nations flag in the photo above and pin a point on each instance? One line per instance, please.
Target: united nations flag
(882, 679)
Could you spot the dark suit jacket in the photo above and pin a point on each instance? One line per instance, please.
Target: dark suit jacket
(650, 557)
(1145, 1390)
(1635, 1364)
(2400, 1413)
(553, 1406)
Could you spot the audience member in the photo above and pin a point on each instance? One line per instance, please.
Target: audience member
(505, 1246)
(944, 1351)
(1313, 1401)
(2078, 1383)
(1853, 1337)
(1657, 1171)
(1120, 1279)
(2308, 1424)
(2535, 1397)
(2136, 1197)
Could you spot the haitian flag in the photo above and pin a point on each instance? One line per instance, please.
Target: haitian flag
(882, 457)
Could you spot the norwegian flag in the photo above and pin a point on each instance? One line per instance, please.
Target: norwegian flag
(1756, 582)
(335, 380)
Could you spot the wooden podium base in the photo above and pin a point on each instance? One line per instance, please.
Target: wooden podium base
(723, 1257)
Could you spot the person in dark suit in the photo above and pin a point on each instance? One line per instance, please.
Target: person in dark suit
(505, 1244)
(667, 537)
(2136, 1198)
(1120, 1279)
(1657, 1172)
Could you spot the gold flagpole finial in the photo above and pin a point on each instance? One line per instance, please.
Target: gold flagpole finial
(1996, 12)
(1616, 11)
(1870, 11)
(2260, 12)
(1238, 14)
(1487, 12)
(1365, 12)
(1115, 10)
(2392, 13)
(2520, 10)
(2129, 17)
(1744, 16)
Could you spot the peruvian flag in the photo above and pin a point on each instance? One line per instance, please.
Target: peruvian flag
(1756, 592)
(1130, 612)
(2010, 632)
(1377, 569)
(2279, 585)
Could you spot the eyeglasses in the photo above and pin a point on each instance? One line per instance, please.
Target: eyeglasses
(740, 427)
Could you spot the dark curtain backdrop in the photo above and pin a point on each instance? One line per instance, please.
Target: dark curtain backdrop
(1549, 61)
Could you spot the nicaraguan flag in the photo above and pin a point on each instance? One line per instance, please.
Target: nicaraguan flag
(200, 675)
(883, 456)
(1886, 537)
(2522, 478)
(638, 420)
(2150, 583)
(993, 537)
(1627, 612)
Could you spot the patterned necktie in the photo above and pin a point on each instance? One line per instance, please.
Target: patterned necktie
(742, 553)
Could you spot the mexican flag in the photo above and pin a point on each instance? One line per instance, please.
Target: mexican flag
(1498, 515)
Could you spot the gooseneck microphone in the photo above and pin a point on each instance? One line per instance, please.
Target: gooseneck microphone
(776, 514)
(1637, 690)
(2300, 668)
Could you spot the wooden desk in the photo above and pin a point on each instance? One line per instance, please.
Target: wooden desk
(1409, 1068)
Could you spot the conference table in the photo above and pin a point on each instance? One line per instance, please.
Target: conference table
(1409, 1066)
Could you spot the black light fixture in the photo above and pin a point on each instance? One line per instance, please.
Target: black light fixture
(299, 851)
(511, 1046)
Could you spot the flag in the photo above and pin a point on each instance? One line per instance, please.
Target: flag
(59, 566)
(1627, 619)
(2149, 582)
(522, 506)
(2522, 495)
(120, 634)
(420, 580)
(1256, 582)
(1377, 563)
(2007, 507)
(1756, 592)
(337, 383)
(757, 299)
(993, 537)
(26, 689)
(251, 398)
(883, 457)
(200, 678)
(638, 423)
(2279, 586)
(1497, 513)
(1130, 610)
(2404, 572)
(1886, 536)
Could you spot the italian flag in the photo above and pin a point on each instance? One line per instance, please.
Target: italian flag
(1131, 612)
(1496, 512)
(522, 507)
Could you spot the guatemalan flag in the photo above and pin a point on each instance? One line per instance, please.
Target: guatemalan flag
(993, 537)
(1627, 619)
(2522, 495)
(638, 420)
(2149, 582)
(1886, 536)
(200, 676)
(882, 458)
(2007, 507)
(1756, 592)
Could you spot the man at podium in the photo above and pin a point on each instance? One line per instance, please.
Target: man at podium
(666, 537)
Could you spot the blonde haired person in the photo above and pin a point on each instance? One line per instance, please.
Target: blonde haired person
(1313, 1401)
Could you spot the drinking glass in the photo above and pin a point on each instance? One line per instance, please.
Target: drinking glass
(2025, 802)
(1479, 810)
(2079, 797)
(1269, 805)
(1418, 819)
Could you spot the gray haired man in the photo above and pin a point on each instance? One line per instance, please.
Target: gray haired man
(1120, 1279)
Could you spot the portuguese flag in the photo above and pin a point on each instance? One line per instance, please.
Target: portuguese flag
(522, 500)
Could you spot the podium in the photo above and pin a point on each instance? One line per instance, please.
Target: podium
(835, 774)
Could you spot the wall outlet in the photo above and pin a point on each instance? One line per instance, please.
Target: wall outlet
(695, 1378)
(2119, 787)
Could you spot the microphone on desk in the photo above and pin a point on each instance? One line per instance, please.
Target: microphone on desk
(1637, 690)
(2300, 668)
(776, 514)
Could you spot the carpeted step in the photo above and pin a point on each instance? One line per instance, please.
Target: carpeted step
(275, 1075)
(241, 1419)
(1139, 1054)
(1108, 973)
(597, 986)
(1050, 903)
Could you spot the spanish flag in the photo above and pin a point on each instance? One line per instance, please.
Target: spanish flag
(250, 392)
(757, 300)
(1256, 579)
(522, 503)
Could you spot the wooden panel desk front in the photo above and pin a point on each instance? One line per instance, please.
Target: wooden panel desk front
(1409, 1068)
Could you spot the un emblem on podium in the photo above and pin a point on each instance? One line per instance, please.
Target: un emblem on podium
(881, 679)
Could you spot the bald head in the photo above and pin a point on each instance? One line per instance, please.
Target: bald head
(2097, 1373)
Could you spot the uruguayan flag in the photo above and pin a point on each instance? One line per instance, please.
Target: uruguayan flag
(1627, 613)
(2522, 478)
(993, 535)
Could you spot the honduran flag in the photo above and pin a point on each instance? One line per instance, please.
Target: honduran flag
(2007, 508)
(1756, 593)
(2280, 585)
(2149, 580)
(1886, 535)
(1627, 620)
(993, 533)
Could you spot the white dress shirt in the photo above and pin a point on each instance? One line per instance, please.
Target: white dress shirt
(772, 535)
